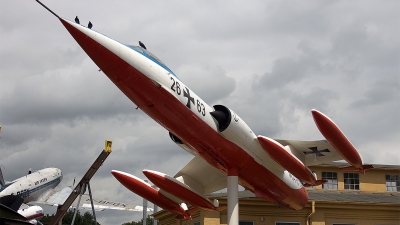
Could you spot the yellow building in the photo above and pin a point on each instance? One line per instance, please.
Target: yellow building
(346, 199)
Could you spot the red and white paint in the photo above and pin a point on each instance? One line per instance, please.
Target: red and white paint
(145, 190)
(165, 98)
(339, 141)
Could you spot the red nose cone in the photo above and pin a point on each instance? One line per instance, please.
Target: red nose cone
(103, 57)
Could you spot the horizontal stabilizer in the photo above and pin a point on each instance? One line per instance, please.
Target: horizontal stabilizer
(59, 198)
(356, 169)
(9, 214)
(318, 182)
(12, 201)
(221, 208)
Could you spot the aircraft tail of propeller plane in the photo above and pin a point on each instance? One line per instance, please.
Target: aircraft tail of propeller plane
(33, 187)
(221, 142)
(38, 188)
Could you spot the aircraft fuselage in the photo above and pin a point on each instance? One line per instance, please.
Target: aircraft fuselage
(34, 185)
(157, 91)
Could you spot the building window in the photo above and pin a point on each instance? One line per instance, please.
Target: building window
(197, 223)
(392, 182)
(331, 177)
(246, 222)
(351, 181)
(287, 223)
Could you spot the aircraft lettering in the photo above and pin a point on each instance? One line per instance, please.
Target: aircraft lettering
(200, 108)
(40, 181)
(23, 193)
(295, 180)
(176, 87)
(109, 203)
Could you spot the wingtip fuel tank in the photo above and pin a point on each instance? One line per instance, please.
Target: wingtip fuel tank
(288, 161)
(339, 141)
(143, 189)
(179, 189)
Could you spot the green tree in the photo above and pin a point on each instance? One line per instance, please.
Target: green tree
(149, 221)
(85, 219)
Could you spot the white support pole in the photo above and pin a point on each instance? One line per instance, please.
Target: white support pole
(155, 209)
(145, 209)
(91, 202)
(81, 192)
(233, 197)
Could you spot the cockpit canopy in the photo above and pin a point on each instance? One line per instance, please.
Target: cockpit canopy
(150, 56)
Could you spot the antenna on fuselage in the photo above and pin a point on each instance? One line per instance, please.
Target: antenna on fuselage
(142, 45)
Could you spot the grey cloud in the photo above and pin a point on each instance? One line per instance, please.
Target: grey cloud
(318, 98)
(287, 70)
(16, 134)
(383, 91)
(210, 82)
(63, 95)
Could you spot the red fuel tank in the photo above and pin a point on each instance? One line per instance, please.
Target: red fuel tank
(339, 141)
(143, 189)
(288, 161)
(179, 189)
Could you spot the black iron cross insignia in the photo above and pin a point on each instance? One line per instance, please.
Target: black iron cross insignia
(314, 150)
(186, 93)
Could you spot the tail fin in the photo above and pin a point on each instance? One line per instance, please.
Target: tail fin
(2, 183)
(12, 201)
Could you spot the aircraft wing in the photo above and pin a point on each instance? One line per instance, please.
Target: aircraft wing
(204, 178)
(312, 152)
(101, 205)
(58, 198)
(201, 176)
(54, 198)
(127, 207)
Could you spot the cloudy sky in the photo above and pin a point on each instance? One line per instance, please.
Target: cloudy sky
(269, 61)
